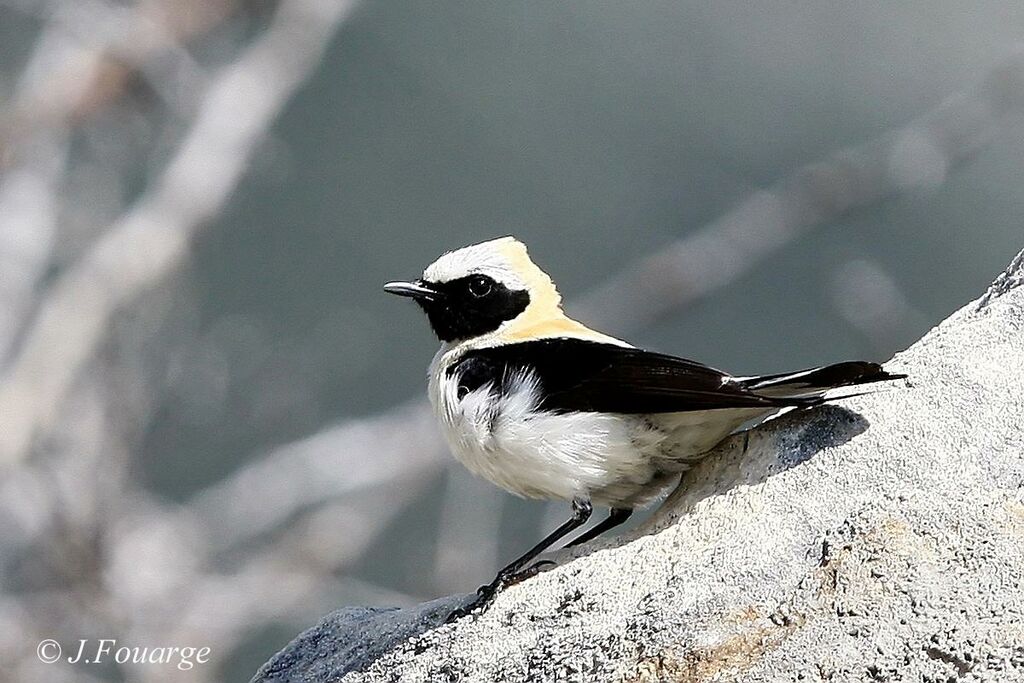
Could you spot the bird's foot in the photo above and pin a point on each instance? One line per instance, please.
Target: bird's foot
(532, 570)
(485, 594)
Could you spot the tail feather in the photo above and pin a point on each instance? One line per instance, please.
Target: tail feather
(816, 381)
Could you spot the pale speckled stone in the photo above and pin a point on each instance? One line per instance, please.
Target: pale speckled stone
(882, 540)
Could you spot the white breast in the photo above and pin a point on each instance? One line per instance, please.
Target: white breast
(610, 459)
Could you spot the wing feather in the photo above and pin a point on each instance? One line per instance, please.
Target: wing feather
(582, 375)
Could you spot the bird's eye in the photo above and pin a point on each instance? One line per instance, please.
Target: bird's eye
(479, 286)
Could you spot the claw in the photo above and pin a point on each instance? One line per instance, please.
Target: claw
(456, 614)
(485, 594)
(532, 570)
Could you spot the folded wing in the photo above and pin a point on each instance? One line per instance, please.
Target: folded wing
(581, 375)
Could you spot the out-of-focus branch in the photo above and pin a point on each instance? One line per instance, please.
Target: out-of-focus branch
(919, 155)
(146, 243)
(28, 216)
(868, 298)
(400, 445)
(88, 54)
(125, 563)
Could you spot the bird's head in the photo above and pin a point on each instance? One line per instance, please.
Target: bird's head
(482, 289)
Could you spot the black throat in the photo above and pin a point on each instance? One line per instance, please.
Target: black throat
(471, 306)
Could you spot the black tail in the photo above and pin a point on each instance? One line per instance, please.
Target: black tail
(816, 381)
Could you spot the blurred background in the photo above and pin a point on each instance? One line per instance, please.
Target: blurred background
(212, 421)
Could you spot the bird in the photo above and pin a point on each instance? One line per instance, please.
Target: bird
(547, 408)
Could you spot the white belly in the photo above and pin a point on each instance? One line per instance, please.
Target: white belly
(612, 459)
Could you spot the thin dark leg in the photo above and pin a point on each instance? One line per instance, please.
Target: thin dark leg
(616, 516)
(515, 572)
(581, 511)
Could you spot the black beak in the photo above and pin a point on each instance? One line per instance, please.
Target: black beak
(416, 290)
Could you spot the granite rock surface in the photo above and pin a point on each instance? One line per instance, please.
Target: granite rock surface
(877, 539)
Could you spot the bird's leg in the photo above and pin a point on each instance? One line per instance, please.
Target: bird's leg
(616, 516)
(515, 572)
(581, 511)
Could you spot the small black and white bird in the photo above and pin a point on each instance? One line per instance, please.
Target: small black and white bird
(545, 407)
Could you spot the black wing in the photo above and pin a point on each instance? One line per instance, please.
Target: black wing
(580, 375)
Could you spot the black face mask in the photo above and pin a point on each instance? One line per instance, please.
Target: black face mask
(471, 306)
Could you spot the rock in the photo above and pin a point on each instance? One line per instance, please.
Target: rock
(350, 638)
(880, 539)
